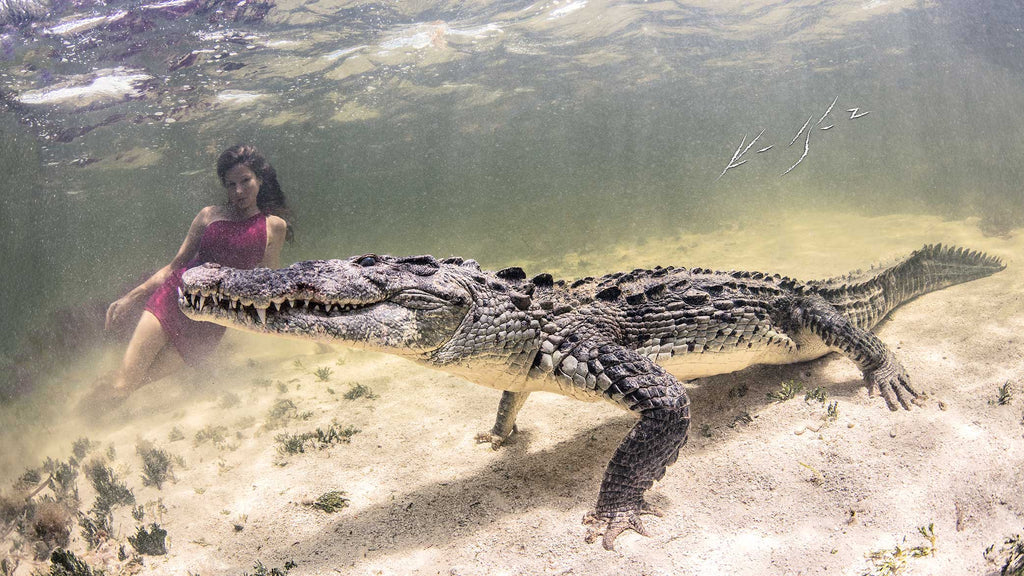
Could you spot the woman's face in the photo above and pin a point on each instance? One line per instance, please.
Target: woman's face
(242, 186)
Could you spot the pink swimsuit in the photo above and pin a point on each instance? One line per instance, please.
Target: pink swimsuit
(235, 244)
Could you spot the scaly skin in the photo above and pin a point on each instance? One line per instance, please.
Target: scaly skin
(626, 338)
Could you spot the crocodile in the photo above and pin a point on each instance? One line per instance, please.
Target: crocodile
(629, 338)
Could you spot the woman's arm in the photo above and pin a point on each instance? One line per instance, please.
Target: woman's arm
(188, 249)
(277, 228)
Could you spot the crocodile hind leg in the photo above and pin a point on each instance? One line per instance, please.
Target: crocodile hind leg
(505, 423)
(881, 369)
(638, 384)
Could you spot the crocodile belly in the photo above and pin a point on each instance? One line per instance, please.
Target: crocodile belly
(689, 365)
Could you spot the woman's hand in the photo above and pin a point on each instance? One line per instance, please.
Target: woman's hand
(118, 308)
(127, 303)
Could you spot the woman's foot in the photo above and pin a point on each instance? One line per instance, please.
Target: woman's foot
(118, 394)
(103, 396)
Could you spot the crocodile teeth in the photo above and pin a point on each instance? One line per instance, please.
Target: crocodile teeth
(277, 306)
(202, 300)
(262, 313)
(306, 303)
(181, 295)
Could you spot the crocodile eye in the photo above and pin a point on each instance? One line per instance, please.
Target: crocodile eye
(367, 261)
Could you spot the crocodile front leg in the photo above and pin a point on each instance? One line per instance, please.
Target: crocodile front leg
(641, 386)
(881, 368)
(505, 423)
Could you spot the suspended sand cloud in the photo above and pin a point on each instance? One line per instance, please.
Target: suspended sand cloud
(883, 475)
(105, 86)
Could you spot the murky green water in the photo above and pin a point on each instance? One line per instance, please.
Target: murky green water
(502, 131)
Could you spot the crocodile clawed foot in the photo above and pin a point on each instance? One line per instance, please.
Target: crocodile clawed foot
(495, 440)
(608, 525)
(893, 383)
(488, 438)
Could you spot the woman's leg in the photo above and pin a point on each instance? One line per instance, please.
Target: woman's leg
(148, 356)
(167, 362)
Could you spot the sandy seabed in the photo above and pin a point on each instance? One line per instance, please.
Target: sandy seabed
(762, 488)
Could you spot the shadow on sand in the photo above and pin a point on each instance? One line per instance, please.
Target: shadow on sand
(522, 482)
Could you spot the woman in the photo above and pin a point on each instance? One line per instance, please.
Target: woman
(246, 232)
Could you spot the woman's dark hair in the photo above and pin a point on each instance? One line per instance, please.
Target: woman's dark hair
(270, 198)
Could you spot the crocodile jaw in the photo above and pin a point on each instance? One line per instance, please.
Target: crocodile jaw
(338, 305)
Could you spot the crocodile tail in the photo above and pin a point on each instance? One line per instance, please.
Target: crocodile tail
(867, 298)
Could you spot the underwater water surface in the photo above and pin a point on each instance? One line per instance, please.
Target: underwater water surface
(544, 134)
